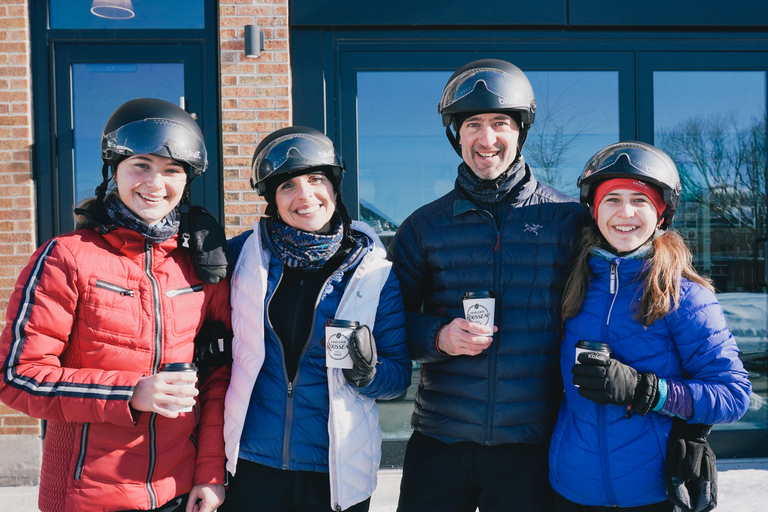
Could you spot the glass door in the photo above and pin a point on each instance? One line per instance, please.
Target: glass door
(712, 122)
(92, 81)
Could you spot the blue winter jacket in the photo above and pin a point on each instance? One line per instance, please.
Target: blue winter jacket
(597, 455)
(286, 426)
(520, 249)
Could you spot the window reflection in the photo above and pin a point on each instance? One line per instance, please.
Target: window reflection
(713, 125)
(147, 14)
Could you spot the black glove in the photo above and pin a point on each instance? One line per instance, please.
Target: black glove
(213, 346)
(607, 381)
(204, 237)
(691, 473)
(362, 350)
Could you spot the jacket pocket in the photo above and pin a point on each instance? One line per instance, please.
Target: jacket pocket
(187, 304)
(111, 311)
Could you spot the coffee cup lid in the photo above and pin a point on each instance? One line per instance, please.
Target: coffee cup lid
(178, 367)
(593, 345)
(335, 322)
(477, 295)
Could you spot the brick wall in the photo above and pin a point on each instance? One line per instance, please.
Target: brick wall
(255, 99)
(17, 216)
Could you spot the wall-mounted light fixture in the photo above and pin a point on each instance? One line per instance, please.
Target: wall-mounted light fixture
(113, 9)
(254, 41)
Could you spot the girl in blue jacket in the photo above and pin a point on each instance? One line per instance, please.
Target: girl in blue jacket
(667, 351)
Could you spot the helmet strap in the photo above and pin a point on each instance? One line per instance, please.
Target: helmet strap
(453, 140)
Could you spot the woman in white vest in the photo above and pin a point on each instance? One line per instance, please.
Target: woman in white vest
(301, 436)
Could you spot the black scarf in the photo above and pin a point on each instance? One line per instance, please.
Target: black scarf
(491, 191)
(124, 217)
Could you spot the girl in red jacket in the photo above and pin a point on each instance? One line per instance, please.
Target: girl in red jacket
(96, 314)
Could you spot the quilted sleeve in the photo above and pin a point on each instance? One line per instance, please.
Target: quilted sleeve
(412, 272)
(394, 369)
(210, 462)
(717, 379)
(39, 321)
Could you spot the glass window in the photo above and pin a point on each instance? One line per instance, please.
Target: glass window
(577, 114)
(405, 160)
(97, 90)
(713, 125)
(128, 14)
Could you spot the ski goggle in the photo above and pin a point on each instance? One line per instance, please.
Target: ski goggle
(162, 137)
(496, 81)
(293, 152)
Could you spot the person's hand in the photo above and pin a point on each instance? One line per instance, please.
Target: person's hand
(210, 497)
(607, 381)
(462, 337)
(154, 393)
(691, 471)
(362, 351)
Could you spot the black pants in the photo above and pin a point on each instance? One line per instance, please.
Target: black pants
(463, 477)
(564, 505)
(178, 504)
(259, 488)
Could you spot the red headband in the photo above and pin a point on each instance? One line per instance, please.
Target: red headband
(635, 185)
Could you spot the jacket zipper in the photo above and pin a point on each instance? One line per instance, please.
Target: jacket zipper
(184, 291)
(155, 366)
(83, 448)
(613, 289)
(291, 386)
(491, 404)
(114, 288)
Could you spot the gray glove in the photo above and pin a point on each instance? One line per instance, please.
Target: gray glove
(362, 350)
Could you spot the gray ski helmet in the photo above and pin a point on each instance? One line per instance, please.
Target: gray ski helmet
(292, 151)
(487, 86)
(632, 159)
(153, 126)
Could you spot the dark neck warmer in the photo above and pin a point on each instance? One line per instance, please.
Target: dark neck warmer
(492, 191)
(301, 249)
(124, 217)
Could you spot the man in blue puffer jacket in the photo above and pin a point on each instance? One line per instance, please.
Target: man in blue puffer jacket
(487, 402)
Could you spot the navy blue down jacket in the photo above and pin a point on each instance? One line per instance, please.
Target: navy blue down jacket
(520, 249)
(600, 457)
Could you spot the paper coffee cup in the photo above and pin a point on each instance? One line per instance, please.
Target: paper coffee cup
(591, 346)
(180, 367)
(479, 308)
(337, 335)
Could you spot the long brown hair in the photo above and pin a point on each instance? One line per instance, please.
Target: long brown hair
(670, 261)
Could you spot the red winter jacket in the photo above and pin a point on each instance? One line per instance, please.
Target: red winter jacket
(90, 315)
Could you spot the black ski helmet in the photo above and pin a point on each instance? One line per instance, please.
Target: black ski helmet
(633, 159)
(487, 86)
(157, 127)
(292, 151)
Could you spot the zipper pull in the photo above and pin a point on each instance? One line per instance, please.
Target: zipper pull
(185, 240)
(290, 389)
(613, 278)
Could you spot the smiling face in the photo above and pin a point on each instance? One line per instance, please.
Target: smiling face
(150, 186)
(307, 202)
(489, 144)
(626, 218)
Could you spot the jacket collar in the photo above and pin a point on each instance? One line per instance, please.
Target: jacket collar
(462, 203)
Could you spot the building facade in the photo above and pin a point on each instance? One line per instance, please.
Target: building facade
(689, 76)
